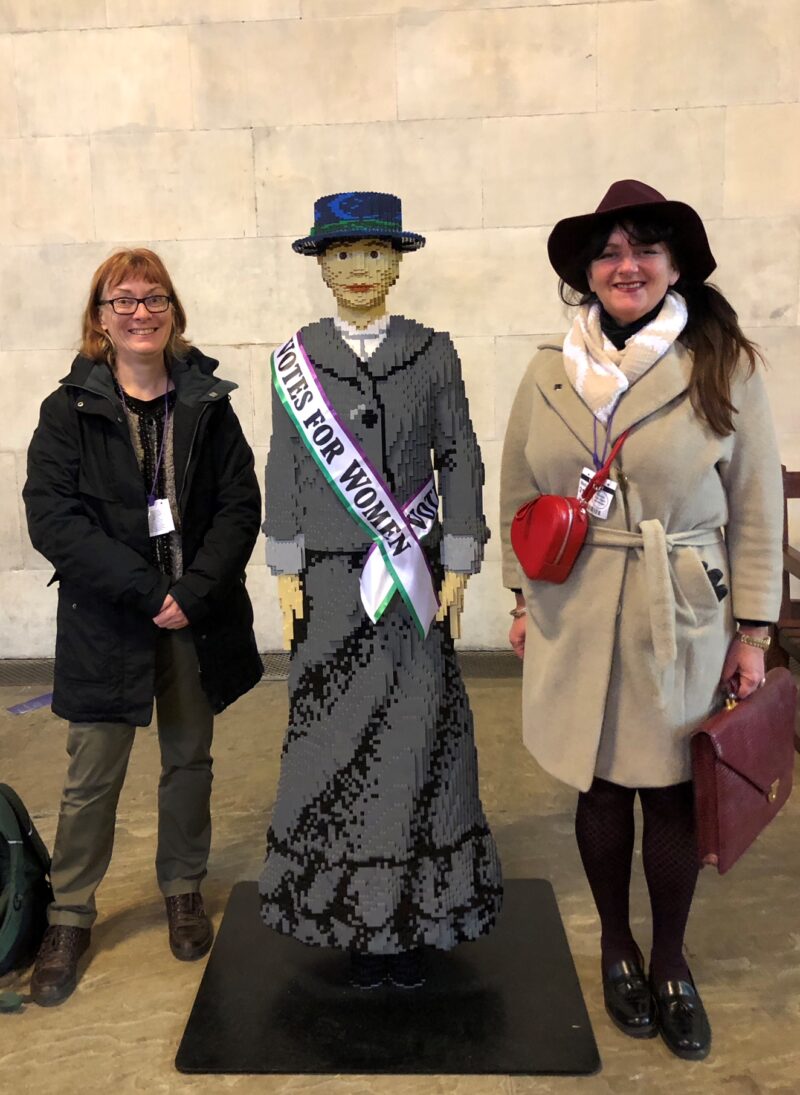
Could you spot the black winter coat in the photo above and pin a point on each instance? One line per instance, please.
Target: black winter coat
(87, 514)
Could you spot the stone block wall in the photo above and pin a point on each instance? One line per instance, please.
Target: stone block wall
(206, 129)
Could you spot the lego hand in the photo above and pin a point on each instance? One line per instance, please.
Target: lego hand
(451, 598)
(290, 595)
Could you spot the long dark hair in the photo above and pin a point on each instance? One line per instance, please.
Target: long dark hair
(712, 333)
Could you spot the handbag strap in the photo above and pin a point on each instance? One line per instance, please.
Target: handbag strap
(596, 482)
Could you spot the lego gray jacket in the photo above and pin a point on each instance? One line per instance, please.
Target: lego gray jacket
(407, 408)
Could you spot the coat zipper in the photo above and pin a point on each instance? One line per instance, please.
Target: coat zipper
(189, 454)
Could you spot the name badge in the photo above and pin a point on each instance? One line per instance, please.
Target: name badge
(601, 503)
(159, 517)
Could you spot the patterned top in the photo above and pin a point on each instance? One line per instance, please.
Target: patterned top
(146, 424)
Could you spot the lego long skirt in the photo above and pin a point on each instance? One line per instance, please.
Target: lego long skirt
(378, 841)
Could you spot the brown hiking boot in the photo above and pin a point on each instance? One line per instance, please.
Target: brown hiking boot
(55, 974)
(190, 930)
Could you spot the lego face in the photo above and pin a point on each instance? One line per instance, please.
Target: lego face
(630, 278)
(360, 273)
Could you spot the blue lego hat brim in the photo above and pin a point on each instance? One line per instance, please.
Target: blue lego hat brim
(357, 215)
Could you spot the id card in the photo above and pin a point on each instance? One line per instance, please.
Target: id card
(601, 503)
(159, 517)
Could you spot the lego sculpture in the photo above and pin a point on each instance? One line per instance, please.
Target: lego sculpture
(378, 844)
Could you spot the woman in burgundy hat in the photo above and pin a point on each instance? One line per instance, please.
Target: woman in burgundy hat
(680, 576)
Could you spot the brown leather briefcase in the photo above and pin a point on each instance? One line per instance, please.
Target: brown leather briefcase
(742, 767)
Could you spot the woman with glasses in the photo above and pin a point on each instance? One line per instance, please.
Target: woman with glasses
(141, 493)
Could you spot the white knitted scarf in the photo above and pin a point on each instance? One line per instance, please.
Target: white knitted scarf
(599, 372)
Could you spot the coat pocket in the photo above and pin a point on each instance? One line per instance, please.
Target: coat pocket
(87, 636)
(699, 596)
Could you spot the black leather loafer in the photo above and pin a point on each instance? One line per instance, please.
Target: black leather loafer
(682, 1019)
(629, 1002)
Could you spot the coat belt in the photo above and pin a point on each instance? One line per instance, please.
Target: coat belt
(656, 544)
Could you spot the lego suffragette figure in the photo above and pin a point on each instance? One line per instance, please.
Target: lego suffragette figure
(378, 843)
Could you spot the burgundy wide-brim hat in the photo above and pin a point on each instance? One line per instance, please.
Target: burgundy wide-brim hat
(568, 241)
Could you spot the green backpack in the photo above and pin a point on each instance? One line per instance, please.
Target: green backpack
(25, 889)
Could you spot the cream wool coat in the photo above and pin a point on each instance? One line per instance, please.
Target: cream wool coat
(623, 660)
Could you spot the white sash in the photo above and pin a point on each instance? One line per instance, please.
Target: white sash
(377, 584)
(358, 486)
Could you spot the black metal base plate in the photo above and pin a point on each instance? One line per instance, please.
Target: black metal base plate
(510, 1003)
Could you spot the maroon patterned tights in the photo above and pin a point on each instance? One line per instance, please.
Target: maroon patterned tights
(604, 827)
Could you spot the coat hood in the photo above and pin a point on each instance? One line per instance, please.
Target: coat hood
(193, 376)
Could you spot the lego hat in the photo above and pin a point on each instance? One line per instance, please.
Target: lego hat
(569, 239)
(356, 215)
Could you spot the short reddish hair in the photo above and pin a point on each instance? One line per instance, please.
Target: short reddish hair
(137, 262)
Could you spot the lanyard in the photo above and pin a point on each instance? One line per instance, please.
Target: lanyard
(598, 479)
(599, 460)
(151, 497)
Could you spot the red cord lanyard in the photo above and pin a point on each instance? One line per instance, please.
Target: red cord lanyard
(600, 476)
(600, 460)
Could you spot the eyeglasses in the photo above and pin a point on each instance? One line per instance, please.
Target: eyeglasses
(126, 306)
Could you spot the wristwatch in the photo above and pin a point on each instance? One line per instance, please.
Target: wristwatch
(751, 640)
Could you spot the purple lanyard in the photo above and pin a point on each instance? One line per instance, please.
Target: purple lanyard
(600, 460)
(152, 495)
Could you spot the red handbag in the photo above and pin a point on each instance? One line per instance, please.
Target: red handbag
(742, 768)
(548, 532)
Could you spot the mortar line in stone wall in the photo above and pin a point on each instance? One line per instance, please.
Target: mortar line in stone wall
(543, 4)
(90, 142)
(190, 53)
(483, 179)
(396, 80)
(426, 119)
(449, 118)
(724, 162)
(252, 382)
(596, 57)
(277, 338)
(16, 87)
(20, 512)
(239, 238)
(255, 185)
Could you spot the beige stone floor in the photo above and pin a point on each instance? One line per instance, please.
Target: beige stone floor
(120, 1030)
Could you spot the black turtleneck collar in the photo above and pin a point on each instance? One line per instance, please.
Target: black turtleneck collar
(618, 334)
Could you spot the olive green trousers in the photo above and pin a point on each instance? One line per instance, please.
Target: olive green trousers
(98, 760)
